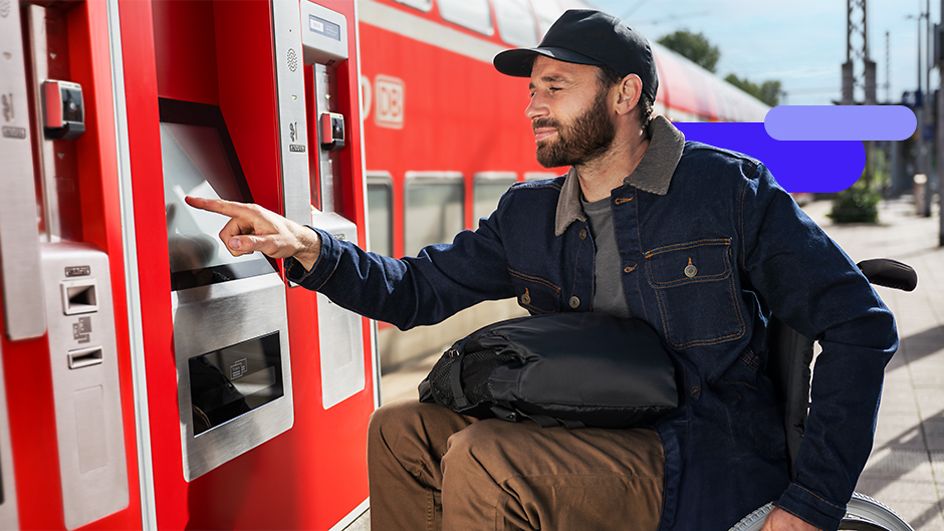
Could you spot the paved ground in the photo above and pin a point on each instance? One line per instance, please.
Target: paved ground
(906, 469)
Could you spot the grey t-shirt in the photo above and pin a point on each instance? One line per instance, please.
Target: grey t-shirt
(608, 296)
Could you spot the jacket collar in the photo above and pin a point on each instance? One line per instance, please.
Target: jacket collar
(653, 174)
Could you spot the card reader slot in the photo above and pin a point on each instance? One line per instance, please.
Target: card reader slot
(85, 357)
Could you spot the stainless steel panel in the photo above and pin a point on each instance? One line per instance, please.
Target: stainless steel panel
(324, 34)
(210, 318)
(293, 128)
(46, 160)
(341, 344)
(328, 161)
(89, 426)
(340, 332)
(19, 235)
(8, 515)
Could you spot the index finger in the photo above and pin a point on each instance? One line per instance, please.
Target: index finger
(220, 206)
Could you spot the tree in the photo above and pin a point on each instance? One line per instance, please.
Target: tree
(694, 46)
(767, 92)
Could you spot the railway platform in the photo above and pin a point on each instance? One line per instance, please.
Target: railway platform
(906, 468)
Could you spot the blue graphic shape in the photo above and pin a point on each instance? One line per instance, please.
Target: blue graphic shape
(798, 165)
(840, 122)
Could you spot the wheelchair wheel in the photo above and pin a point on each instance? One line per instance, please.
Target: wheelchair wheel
(862, 514)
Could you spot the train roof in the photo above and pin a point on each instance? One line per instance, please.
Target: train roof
(687, 92)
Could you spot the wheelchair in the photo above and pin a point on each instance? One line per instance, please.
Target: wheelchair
(791, 355)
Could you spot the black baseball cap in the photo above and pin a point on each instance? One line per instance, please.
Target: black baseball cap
(588, 37)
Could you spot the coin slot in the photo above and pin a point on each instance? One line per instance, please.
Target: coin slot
(85, 357)
(79, 296)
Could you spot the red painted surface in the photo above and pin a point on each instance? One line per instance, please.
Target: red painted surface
(186, 58)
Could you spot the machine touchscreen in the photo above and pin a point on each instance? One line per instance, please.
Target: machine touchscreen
(199, 159)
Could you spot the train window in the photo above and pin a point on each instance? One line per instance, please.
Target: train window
(434, 208)
(472, 14)
(488, 187)
(380, 212)
(423, 5)
(538, 175)
(547, 11)
(515, 23)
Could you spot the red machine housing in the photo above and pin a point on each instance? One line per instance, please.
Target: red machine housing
(221, 53)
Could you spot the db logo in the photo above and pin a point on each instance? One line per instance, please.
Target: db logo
(390, 102)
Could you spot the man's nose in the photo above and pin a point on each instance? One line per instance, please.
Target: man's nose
(536, 108)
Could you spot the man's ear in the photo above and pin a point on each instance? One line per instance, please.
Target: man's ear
(628, 92)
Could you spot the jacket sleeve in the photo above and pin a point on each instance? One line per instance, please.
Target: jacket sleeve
(813, 286)
(441, 280)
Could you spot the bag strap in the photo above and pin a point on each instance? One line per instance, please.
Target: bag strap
(455, 380)
(511, 414)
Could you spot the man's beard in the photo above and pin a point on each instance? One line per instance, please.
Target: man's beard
(588, 137)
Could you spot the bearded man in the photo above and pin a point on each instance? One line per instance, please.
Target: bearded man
(699, 242)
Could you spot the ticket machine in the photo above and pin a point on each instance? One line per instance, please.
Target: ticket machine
(148, 377)
(67, 446)
(258, 391)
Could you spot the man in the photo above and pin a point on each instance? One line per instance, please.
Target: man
(699, 242)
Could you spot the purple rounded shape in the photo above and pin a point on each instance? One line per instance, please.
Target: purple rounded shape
(840, 122)
(798, 165)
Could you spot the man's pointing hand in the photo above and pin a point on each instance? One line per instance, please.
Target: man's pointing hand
(252, 228)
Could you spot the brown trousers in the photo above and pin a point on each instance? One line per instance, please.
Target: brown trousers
(431, 468)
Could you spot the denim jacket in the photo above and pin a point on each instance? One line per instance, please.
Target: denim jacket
(711, 247)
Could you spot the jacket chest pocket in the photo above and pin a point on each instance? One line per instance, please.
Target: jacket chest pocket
(535, 294)
(695, 290)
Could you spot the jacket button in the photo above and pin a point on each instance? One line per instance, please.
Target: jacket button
(630, 268)
(695, 391)
(574, 302)
(526, 297)
(582, 234)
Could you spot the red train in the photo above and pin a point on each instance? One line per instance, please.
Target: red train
(445, 133)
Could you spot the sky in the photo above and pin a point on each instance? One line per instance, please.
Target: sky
(801, 42)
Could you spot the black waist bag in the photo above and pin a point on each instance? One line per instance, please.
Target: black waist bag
(570, 369)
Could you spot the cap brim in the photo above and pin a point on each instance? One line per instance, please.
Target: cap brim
(518, 61)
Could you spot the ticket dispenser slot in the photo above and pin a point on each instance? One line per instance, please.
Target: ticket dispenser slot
(324, 38)
(230, 321)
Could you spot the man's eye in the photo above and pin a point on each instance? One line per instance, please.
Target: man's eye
(553, 89)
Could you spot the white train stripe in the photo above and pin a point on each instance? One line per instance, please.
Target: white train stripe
(418, 28)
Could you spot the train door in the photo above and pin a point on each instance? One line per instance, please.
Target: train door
(67, 438)
(258, 392)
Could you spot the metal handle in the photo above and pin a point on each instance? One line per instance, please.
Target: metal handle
(19, 235)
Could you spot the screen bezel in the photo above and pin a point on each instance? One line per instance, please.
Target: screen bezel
(206, 115)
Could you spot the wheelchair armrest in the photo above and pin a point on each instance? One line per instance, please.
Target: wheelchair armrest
(889, 273)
